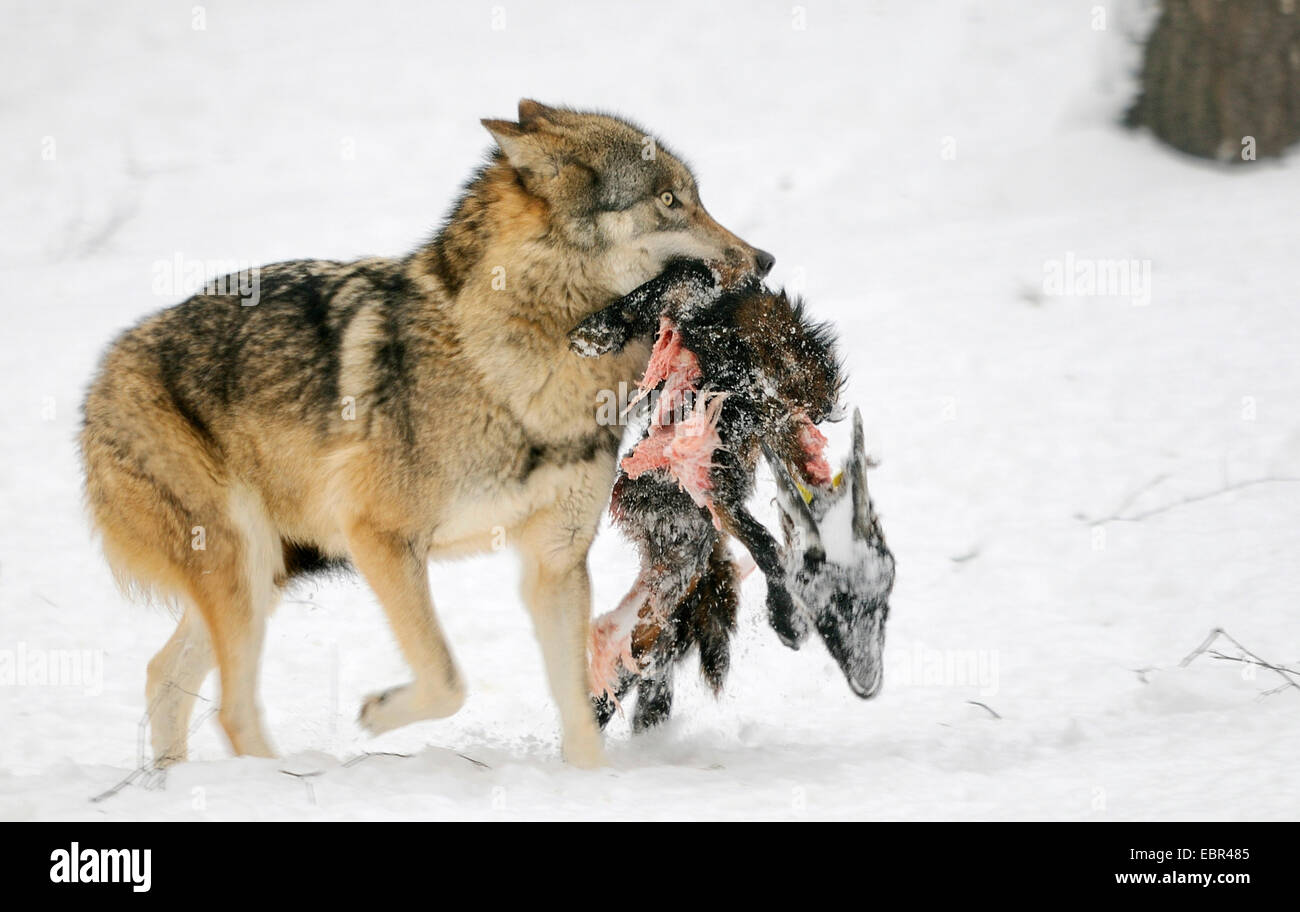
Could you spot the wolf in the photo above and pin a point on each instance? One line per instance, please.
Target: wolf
(388, 411)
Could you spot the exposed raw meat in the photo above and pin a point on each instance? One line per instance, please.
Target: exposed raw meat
(683, 432)
(813, 442)
(611, 643)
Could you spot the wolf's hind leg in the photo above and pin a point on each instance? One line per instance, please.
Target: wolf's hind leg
(172, 523)
(175, 675)
(397, 571)
(235, 593)
(238, 628)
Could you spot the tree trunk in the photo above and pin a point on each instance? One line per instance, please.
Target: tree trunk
(1221, 78)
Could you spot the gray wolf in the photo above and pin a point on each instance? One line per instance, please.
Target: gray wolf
(383, 412)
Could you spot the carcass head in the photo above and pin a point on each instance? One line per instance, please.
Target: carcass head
(838, 568)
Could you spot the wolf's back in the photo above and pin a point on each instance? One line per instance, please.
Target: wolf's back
(182, 403)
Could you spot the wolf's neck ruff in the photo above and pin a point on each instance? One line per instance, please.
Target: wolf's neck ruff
(512, 284)
(502, 236)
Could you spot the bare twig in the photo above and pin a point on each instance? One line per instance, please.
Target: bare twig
(131, 777)
(992, 712)
(1200, 650)
(306, 780)
(1289, 675)
(361, 758)
(1227, 658)
(155, 776)
(1126, 502)
(1182, 502)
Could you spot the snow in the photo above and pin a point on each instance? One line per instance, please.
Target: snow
(919, 170)
(835, 531)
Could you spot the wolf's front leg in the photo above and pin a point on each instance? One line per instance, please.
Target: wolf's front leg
(557, 591)
(396, 570)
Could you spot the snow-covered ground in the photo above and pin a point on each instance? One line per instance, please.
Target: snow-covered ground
(921, 170)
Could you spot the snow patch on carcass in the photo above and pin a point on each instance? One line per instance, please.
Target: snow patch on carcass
(836, 532)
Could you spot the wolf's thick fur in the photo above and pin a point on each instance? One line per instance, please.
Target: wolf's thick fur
(385, 411)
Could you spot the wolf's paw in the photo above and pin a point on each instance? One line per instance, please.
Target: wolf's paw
(404, 704)
(585, 751)
(169, 759)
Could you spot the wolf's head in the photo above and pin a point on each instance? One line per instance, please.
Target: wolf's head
(838, 568)
(616, 193)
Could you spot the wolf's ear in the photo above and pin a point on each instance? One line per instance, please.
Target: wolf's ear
(529, 151)
(534, 114)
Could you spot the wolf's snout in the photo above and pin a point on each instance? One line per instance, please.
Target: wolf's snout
(763, 262)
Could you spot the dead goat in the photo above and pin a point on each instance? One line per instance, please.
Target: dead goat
(734, 369)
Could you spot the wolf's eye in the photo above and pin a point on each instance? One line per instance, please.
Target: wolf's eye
(668, 199)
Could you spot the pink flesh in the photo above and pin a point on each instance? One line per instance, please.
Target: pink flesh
(672, 364)
(684, 448)
(690, 452)
(813, 443)
(745, 565)
(611, 642)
